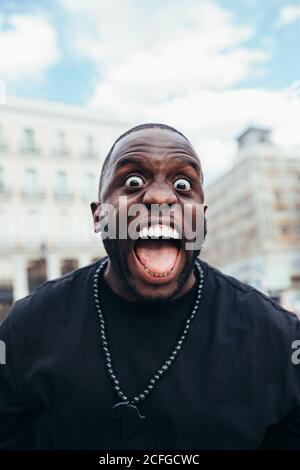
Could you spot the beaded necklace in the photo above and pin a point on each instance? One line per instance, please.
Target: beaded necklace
(126, 410)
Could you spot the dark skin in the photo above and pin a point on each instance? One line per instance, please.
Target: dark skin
(157, 158)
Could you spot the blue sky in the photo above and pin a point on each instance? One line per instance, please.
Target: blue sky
(72, 78)
(283, 67)
(208, 67)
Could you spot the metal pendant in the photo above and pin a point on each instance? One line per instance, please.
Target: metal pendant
(130, 417)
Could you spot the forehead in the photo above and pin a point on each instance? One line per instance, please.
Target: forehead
(154, 142)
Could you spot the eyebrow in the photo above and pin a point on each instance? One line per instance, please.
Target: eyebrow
(127, 160)
(189, 161)
(122, 161)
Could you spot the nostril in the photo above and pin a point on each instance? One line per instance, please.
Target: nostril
(160, 196)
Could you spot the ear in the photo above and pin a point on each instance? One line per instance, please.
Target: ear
(96, 210)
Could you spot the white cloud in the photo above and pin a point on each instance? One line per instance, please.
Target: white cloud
(180, 64)
(148, 55)
(288, 15)
(28, 47)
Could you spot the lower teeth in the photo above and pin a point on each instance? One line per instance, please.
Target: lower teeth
(155, 274)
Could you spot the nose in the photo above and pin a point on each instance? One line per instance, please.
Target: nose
(159, 193)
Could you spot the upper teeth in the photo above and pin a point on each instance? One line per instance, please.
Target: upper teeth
(159, 231)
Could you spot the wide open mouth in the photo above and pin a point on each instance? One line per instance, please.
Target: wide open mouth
(157, 250)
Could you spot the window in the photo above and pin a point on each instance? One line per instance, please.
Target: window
(61, 183)
(2, 142)
(68, 265)
(295, 280)
(37, 273)
(89, 186)
(3, 224)
(61, 139)
(6, 228)
(3, 182)
(2, 186)
(6, 297)
(29, 140)
(31, 180)
(61, 144)
(90, 146)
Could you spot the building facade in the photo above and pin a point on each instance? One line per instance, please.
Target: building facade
(253, 218)
(50, 160)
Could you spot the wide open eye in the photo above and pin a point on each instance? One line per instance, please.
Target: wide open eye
(182, 184)
(134, 181)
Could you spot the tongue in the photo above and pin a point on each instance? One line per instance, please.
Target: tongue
(159, 256)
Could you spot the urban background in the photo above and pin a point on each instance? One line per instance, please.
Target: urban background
(76, 74)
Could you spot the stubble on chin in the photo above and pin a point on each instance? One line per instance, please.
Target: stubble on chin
(118, 260)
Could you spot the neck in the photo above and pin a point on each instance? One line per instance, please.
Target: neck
(119, 287)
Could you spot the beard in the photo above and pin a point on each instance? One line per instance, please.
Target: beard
(117, 258)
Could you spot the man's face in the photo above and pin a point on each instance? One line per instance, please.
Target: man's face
(152, 167)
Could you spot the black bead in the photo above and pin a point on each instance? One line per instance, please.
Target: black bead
(104, 342)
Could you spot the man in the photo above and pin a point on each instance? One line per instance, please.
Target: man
(151, 347)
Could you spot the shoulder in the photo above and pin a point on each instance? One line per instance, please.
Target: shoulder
(249, 304)
(51, 297)
(255, 326)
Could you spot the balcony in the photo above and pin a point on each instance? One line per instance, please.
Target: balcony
(3, 149)
(33, 195)
(61, 153)
(5, 193)
(65, 196)
(30, 151)
(89, 155)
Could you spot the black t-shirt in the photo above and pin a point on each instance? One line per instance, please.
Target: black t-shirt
(232, 386)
